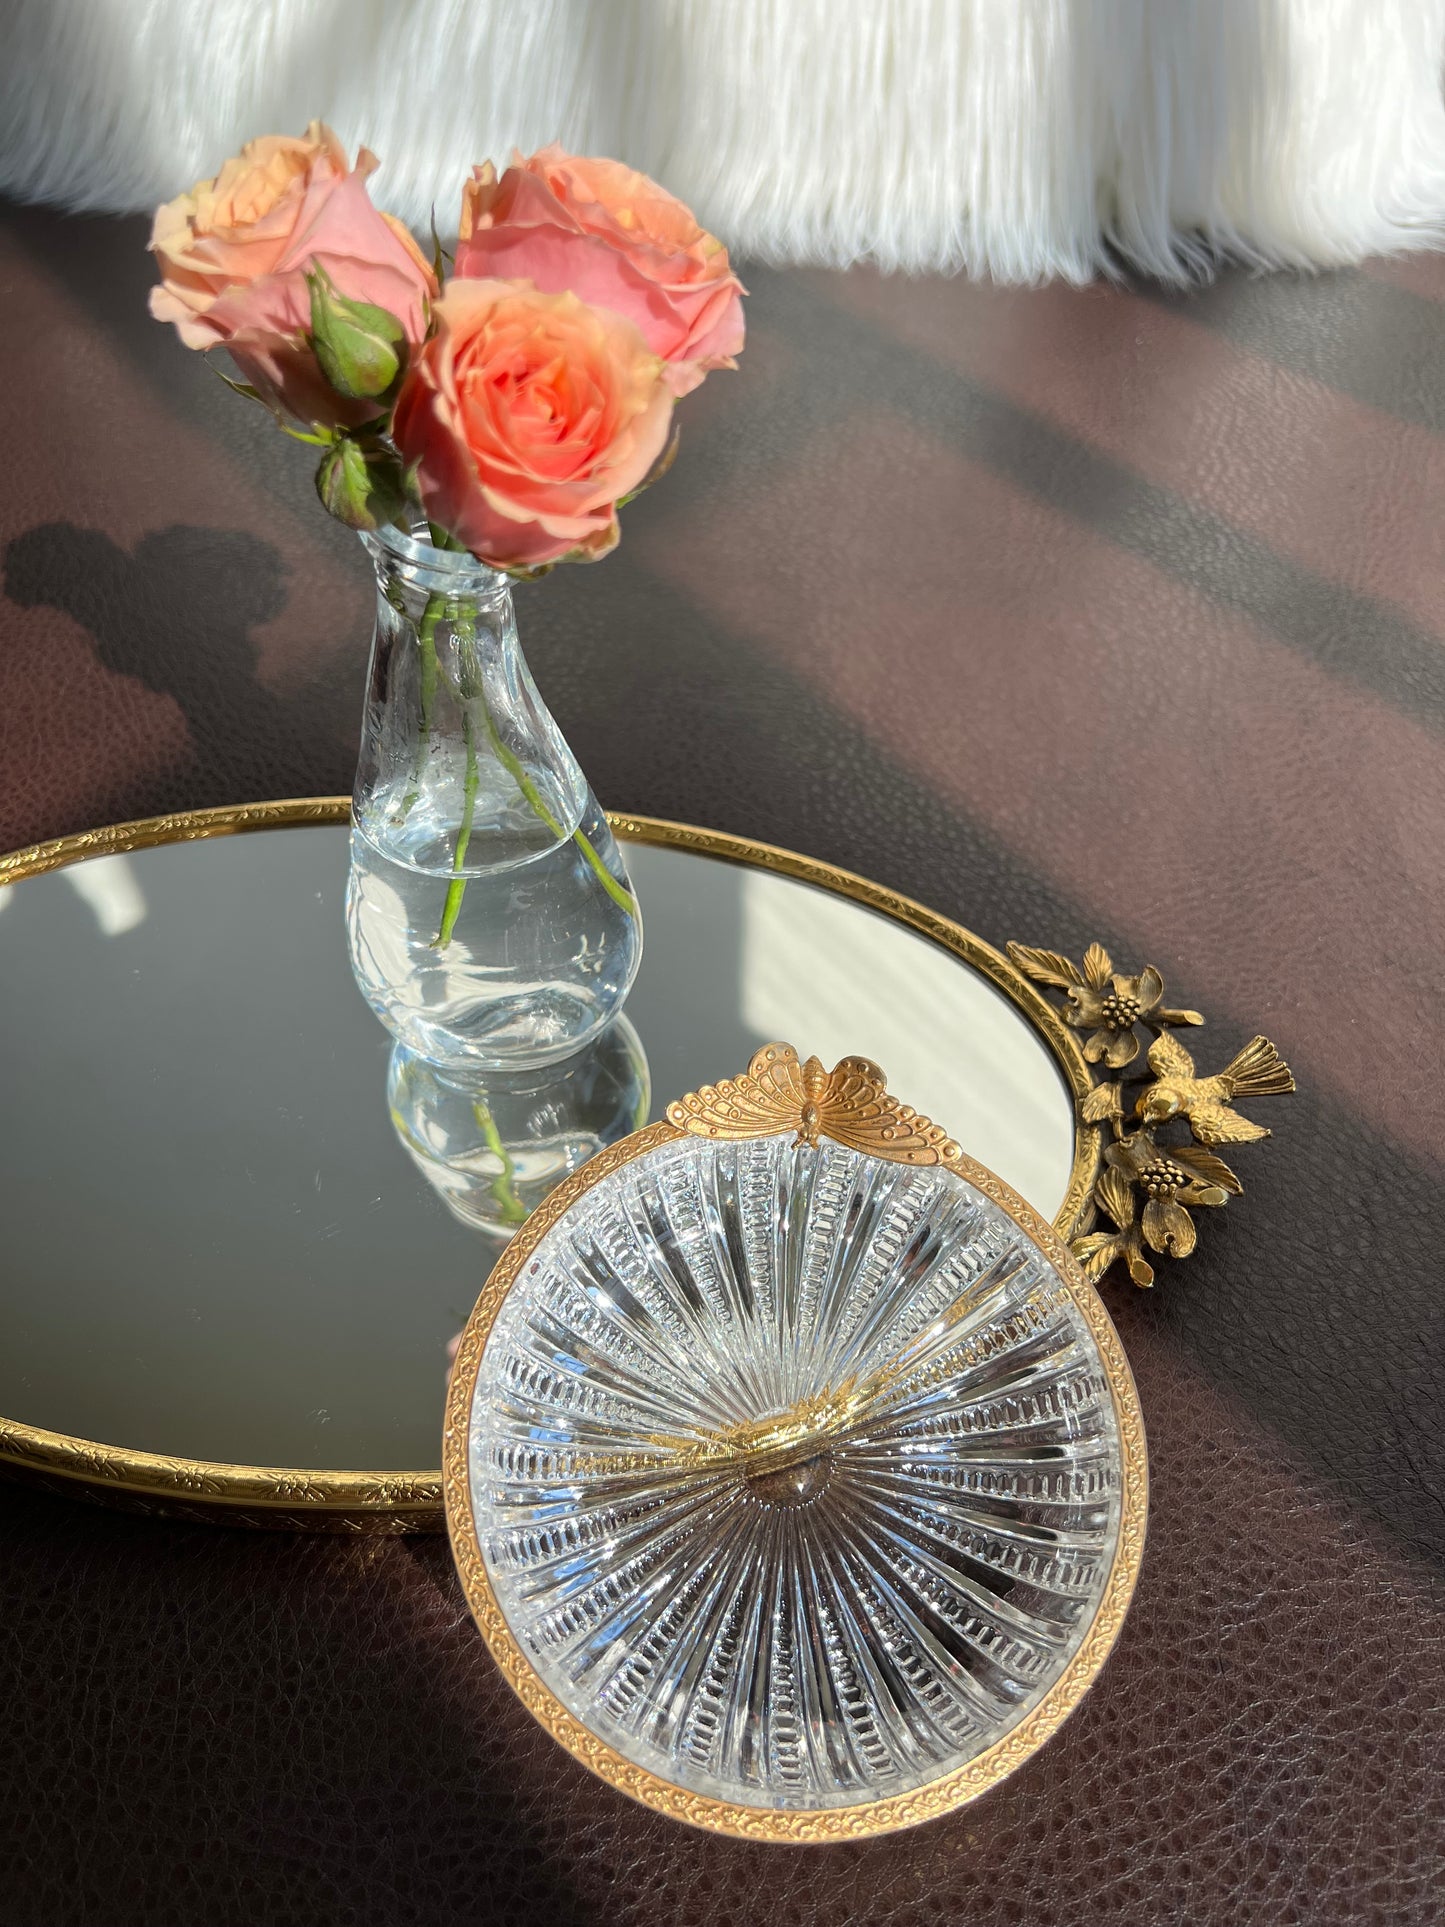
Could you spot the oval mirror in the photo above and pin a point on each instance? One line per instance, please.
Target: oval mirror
(240, 1234)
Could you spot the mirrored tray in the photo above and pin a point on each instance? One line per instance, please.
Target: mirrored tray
(231, 1273)
(794, 1472)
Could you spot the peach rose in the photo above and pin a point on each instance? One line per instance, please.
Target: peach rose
(233, 255)
(526, 418)
(616, 239)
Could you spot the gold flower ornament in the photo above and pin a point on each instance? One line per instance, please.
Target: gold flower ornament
(1147, 1187)
(1108, 1004)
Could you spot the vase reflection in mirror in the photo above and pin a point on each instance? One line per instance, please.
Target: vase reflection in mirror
(492, 1144)
(491, 920)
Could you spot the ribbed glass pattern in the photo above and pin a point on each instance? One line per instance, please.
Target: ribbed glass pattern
(795, 1472)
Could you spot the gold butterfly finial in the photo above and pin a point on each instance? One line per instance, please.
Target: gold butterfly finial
(815, 1091)
(849, 1104)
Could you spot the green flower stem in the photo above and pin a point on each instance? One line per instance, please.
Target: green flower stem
(503, 1187)
(457, 888)
(427, 641)
(510, 762)
(427, 637)
(512, 765)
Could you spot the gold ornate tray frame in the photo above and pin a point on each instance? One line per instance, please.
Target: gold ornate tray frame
(289, 1498)
(844, 1105)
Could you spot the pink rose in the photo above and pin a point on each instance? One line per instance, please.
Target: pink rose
(616, 239)
(233, 255)
(527, 418)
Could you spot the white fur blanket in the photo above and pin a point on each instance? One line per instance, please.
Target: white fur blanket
(1018, 138)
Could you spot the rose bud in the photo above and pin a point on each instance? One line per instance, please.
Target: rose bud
(361, 348)
(361, 490)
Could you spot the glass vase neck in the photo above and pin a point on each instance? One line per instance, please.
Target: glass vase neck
(418, 564)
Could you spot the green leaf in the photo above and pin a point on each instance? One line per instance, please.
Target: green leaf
(238, 387)
(659, 468)
(439, 255)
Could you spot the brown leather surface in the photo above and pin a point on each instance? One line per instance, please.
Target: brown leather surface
(1073, 614)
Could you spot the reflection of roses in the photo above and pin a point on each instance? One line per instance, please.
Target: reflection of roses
(615, 238)
(233, 256)
(525, 420)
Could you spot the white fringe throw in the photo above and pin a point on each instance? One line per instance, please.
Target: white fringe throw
(1018, 138)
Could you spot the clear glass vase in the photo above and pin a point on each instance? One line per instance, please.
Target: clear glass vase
(491, 919)
(492, 1144)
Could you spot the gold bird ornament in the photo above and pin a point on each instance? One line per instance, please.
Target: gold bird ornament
(1258, 1071)
(1148, 1187)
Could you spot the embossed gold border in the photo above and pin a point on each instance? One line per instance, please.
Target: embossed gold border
(298, 1499)
(824, 1824)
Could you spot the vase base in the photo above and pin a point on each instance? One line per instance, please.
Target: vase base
(496, 969)
(492, 1145)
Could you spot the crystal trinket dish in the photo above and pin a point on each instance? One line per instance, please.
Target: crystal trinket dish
(794, 1472)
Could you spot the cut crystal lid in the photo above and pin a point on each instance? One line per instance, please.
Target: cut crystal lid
(795, 1474)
